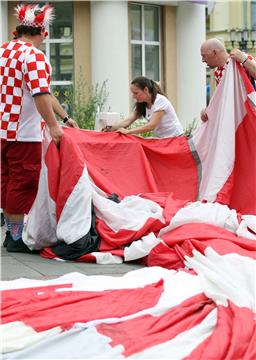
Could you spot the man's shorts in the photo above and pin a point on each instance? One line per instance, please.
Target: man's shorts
(20, 170)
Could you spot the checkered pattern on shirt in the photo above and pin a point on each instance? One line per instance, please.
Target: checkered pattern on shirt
(20, 65)
(219, 71)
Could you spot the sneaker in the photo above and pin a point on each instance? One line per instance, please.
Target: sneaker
(19, 246)
(7, 237)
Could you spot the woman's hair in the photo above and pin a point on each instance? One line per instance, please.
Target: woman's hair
(141, 82)
(27, 30)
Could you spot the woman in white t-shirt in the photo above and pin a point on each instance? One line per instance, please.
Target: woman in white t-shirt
(154, 106)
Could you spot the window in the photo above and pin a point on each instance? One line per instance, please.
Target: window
(145, 41)
(207, 20)
(58, 47)
(244, 14)
(253, 14)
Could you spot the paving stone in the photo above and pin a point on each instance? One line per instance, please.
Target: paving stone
(13, 269)
(15, 265)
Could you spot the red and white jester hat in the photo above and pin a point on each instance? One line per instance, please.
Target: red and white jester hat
(34, 15)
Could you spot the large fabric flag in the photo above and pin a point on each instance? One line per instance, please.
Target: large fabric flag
(225, 143)
(152, 179)
(207, 311)
(184, 207)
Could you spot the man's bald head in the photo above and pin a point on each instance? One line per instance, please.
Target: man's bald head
(213, 44)
(214, 53)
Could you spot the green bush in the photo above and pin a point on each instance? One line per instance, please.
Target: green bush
(87, 103)
(140, 122)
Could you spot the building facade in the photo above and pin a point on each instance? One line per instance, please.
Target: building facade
(92, 42)
(234, 23)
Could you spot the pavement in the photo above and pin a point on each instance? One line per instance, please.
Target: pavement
(16, 265)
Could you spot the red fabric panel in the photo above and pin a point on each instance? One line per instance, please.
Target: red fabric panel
(165, 256)
(184, 239)
(167, 202)
(89, 258)
(43, 308)
(63, 176)
(232, 338)
(243, 197)
(52, 162)
(145, 331)
(113, 240)
(239, 191)
(129, 165)
(47, 253)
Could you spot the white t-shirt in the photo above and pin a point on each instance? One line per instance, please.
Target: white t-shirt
(169, 124)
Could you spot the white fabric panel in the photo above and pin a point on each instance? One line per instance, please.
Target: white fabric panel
(226, 277)
(130, 280)
(250, 221)
(107, 258)
(76, 343)
(75, 219)
(140, 248)
(17, 335)
(178, 286)
(34, 234)
(245, 225)
(130, 214)
(217, 136)
(213, 214)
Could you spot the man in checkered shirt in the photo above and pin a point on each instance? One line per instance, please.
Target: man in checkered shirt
(215, 55)
(24, 101)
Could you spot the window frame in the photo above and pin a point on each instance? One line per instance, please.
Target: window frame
(47, 42)
(253, 14)
(144, 42)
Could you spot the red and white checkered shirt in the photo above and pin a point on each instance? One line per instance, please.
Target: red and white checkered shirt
(24, 73)
(219, 71)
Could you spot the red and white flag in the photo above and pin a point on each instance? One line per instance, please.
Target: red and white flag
(207, 311)
(187, 208)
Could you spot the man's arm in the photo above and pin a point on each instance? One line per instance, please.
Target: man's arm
(246, 60)
(45, 108)
(203, 115)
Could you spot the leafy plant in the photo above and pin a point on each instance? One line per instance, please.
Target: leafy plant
(86, 104)
(191, 127)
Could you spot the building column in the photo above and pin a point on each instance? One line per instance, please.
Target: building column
(191, 72)
(4, 21)
(109, 51)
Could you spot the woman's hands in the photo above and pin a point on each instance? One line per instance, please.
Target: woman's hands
(110, 129)
(123, 131)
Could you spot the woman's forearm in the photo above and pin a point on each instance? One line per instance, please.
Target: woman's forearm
(124, 123)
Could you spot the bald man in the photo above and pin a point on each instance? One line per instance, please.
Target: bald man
(215, 55)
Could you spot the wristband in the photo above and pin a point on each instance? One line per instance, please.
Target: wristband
(66, 118)
(244, 61)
